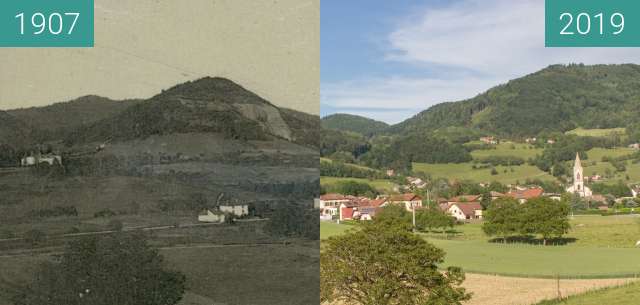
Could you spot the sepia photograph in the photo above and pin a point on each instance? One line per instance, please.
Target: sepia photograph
(174, 162)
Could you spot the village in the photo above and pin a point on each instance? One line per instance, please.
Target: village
(467, 207)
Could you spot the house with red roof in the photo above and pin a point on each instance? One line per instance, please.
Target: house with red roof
(465, 198)
(330, 204)
(524, 195)
(408, 200)
(465, 210)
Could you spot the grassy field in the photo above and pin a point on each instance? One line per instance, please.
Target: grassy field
(463, 171)
(624, 295)
(379, 184)
(216, 274)
(596, 132)
(524, 151)
(604, 247)
(268, 270)
(350, 164)
(600, 168)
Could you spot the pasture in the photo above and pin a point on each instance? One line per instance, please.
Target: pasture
(464, 171)
(216, 274)
(603, 132)
(603, 248)
(504, 149)
(379, 184)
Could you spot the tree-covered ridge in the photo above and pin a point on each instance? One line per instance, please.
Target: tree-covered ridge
(54, 121)
(557, 98)
(353, 123)
(160, 116)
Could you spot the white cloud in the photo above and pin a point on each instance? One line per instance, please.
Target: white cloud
(492, 40)
(397, 98)
(502, 38)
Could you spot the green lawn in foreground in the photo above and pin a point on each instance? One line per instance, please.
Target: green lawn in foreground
(379, 184)
(463, 171)
(604, 248)
(328, 229)
(623, 295)
(524, 151)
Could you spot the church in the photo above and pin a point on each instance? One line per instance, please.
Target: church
(578, 187)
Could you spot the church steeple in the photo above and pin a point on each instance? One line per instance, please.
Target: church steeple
(578, 178)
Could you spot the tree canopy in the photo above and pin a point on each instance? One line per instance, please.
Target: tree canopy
(114, 269)
(387, 265)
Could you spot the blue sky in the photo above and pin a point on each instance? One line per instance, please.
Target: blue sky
(389, 60)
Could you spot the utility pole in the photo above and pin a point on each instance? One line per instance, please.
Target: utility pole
(414, 216)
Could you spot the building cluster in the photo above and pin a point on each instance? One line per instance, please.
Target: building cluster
(463, 208)
(347, 207)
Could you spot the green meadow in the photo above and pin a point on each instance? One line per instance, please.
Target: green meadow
(464, 171)
(524, 151)
(596, 132)
(379, 184)
(603, 247)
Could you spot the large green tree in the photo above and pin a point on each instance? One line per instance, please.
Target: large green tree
(115, 269)
(546, 217)
(502, 218)
(387, 265)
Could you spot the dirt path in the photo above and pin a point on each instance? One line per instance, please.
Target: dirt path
(499, 290)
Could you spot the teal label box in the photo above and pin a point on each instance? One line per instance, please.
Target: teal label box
(46, 23)
(592, 23)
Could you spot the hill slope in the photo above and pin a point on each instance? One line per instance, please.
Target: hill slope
(13, 132)
(215, 105)
(52, 122)
(354, 123)
(557, 98)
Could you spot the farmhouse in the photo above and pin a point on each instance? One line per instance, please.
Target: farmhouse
(465, 198)
(408, 200)
(211, 216)
(361, 208)
(488, 140)
(465, 210)
(39, 158)
(524, 195)
(238, 210)
(330, 204)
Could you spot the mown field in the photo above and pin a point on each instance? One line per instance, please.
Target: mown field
(603, 248)
(596, 132)
(524, 151)
(379, 184)
(623, 295)
(464, 171)
(512, 174)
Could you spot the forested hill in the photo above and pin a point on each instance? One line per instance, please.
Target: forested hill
(54, 121)
(557, 98)
(353, 123)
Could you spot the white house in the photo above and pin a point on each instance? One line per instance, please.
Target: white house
(37, 159)
(211, 216)
(408, 200)
(238, 210)
(465, 210)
